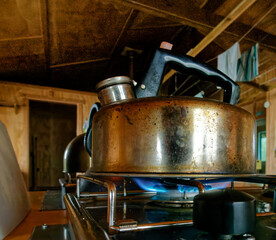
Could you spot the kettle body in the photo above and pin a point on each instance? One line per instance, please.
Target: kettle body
(140, 133)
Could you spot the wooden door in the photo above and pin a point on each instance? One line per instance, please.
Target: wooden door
(52, 127)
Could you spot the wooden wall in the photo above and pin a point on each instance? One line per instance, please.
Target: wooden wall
(255, 105)
(271, 133)
(14, 113)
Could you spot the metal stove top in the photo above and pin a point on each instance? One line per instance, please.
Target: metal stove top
(134, 215)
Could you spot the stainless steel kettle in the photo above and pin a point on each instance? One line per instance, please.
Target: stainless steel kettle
(136, 132)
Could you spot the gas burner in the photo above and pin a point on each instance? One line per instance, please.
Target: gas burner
(136, 214)
(175, 193)
(174, 198)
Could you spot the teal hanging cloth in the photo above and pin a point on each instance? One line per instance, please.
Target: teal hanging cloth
(248, 65)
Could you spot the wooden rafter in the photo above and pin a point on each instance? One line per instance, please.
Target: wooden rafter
(254, 97)
(257, 88)
(262, 88)
(185, 13)
(132, 15)
(79, 62)
(203, 3)
(230, 18)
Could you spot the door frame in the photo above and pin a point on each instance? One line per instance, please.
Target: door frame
(45, 100)
(17, 122)
(32, 159)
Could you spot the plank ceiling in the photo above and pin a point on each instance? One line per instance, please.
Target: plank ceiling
(75, 44)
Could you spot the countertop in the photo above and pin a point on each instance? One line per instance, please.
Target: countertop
(37, 218)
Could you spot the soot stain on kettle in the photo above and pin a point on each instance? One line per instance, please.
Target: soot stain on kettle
(183, 112)
(176, 133)
(128, 120)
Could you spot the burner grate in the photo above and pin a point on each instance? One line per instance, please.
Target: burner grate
(121, 212)
(127, 225)
(174, 198)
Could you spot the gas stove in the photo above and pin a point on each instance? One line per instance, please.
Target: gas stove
(127, 207)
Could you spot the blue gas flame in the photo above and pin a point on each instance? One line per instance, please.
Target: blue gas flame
(190, 189)
(150, 185)
(155, 185)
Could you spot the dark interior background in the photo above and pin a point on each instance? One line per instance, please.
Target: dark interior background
(75, 44)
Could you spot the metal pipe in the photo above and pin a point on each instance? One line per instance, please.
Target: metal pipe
(120, 195)
(274, 202)
(124, 210)
(181, 85)
(78, 187)
(111, 202)
(84, 227)
(152, 226)
(199, 185)
(111, 207)
(192, 183)
(87, 194)
(244, 177)
(188, 88)
(131, 64)
(125, 191)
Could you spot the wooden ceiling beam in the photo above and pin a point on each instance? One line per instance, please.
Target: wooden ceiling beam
(230, 18)
(79, 62)
(186, 14)
(131, 16)
(255, 97)
(271, 86)
(262, 88)
(203, 4)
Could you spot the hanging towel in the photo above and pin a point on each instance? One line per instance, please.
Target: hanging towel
(228, 61)
(248, 64)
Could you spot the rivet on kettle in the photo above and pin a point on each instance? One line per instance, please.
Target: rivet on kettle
(143, 86)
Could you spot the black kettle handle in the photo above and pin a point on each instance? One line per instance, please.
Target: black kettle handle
(153, 78)
(88, 135)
